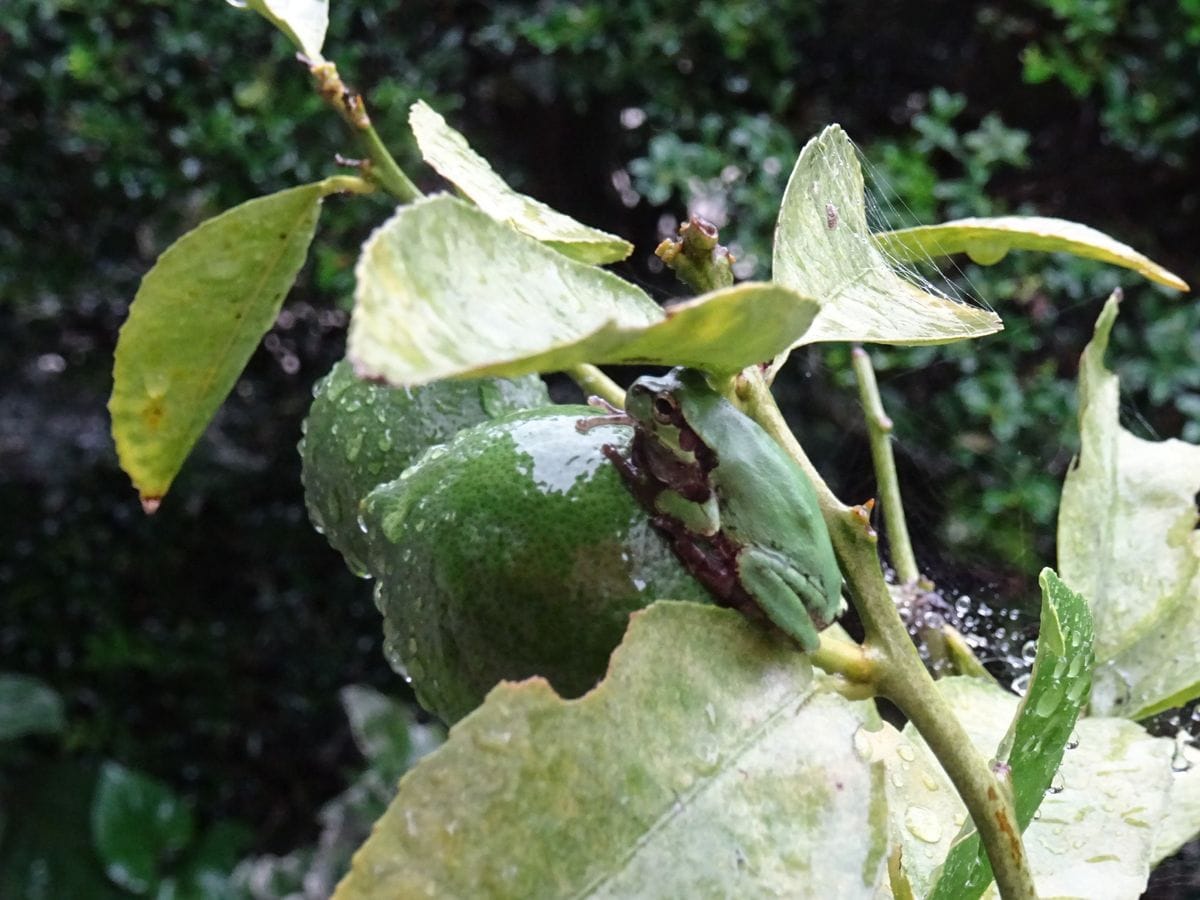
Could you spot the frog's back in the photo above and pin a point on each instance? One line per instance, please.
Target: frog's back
(757, 481)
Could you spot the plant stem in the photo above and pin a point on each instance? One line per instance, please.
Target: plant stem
(846, 658)
(381, 166)
(346, 184)
(879, 430)
(897, 668)
(697, 258)
(593, 382)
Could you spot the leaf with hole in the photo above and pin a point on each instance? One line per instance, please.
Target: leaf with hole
(709, 763)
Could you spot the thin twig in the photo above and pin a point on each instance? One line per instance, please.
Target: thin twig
(594, 382)
(879, 430)
(380, 166)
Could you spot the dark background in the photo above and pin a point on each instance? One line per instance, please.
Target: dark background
(206, 645)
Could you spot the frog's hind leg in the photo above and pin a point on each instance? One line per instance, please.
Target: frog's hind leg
(768, 578)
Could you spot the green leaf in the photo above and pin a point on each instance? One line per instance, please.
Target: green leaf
(205, 872)
(444, 291)
(28, 706)
(1033, 748)
(303, 21)
(1128, 542)
(1096, 829)
(197, 317)
(707, 764)
(450, 154)
(46, 848)
(988, 240)
(385, 731)
(137, 824)
(824, 249)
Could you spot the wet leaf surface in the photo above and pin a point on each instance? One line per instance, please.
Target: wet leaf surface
(1095, 833)
(1128, 542)
(707, 764)
(1034, 746)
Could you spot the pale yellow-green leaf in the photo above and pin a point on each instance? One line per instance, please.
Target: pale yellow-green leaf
(988, 240)
(304, 22)
(197, 317)
(924, 811)
(1128, 542)
(824, 250)
(448, 152)
(446, 291)
(707, 764)
(1182, 822)
(1096, 829)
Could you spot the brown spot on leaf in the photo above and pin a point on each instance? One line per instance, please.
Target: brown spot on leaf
(152, 413)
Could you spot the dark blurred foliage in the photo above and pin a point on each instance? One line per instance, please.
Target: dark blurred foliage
(205, 645)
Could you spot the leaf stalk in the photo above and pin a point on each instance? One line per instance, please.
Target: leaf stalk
(879, 432)
(380, 167)
(594, 382)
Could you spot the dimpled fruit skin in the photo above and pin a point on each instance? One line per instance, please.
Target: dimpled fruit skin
(360, 434)
(514, 550)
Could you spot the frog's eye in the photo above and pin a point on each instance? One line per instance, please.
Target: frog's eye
(664, 408)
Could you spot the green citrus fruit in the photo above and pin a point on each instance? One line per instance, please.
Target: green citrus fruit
(514, 550)
(360, 434)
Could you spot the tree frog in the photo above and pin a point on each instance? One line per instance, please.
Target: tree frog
(740, 514)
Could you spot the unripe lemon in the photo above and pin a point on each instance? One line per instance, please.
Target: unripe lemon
(360, 434)
(514, 550)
